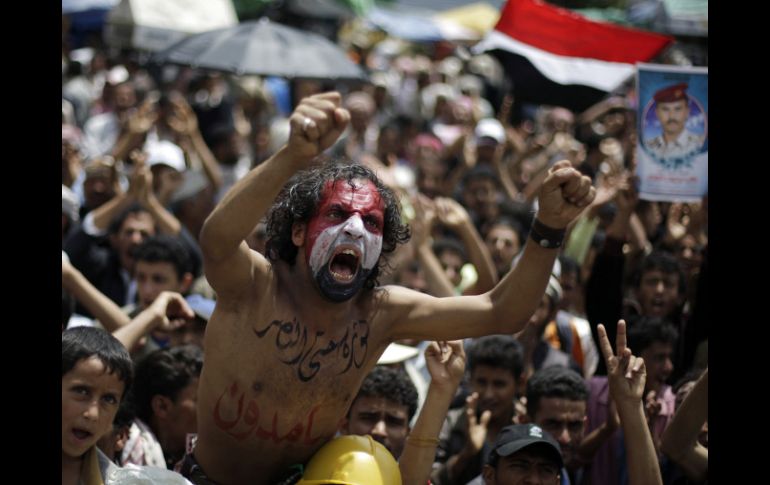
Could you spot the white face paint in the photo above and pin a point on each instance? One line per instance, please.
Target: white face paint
(351, 236)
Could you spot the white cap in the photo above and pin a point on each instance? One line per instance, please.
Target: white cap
(490, 128)
(396, 353)
(165, 153)
(117, 75)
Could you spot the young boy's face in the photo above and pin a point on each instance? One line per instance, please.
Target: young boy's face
(90, 397)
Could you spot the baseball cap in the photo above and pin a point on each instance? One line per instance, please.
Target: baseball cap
(490, 128)
(165, 153)
(516, 437)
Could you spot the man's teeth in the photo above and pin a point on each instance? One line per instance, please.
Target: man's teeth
(349, 251)
(341, 276)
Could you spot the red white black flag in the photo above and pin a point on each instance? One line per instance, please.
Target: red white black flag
(545, 49)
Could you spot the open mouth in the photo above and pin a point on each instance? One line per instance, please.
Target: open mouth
(344, 265)
(81, 434)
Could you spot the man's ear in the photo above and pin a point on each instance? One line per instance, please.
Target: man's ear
(298, 230)
(342, 428)
(121, 438)
(187, 281)
(161, 406)
(489, 475)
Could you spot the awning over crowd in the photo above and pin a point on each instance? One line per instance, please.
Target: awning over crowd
(150, 25)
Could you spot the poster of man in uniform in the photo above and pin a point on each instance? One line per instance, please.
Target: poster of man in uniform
(672, 151)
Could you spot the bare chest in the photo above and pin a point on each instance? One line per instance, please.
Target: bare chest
(272, 381)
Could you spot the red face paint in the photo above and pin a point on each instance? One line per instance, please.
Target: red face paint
(340, 202)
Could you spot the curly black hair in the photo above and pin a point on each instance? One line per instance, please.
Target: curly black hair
(164, 372)
(298, 202)
(556, 381)
(392, 384)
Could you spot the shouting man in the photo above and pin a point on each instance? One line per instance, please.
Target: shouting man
(295, 333)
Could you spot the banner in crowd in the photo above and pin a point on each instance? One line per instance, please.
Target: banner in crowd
(672, 150)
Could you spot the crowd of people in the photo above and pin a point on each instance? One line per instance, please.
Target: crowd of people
(239, 255)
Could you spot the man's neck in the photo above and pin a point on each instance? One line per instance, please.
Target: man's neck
(496, 424)
(310, 305)
(71, 469)
(668, 138)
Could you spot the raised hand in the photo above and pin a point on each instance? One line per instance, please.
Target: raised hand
(676, 227)
(141, 120)
(627, 197)
(140, 180)
(446, 363)
(171, 310)
(477, 428)
(422, 223)
(316, 124)
(625, 372)
(182, 120)
(563, 195)
(450, 213)
(652, 406)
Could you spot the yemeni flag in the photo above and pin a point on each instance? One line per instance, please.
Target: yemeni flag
(555, 56)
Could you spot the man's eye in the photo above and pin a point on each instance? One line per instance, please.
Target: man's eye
(110, 399)
(549, 470)
(80, 390)
(395, 422)
(372, 222)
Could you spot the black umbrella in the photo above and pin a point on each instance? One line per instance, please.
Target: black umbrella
(265, 48)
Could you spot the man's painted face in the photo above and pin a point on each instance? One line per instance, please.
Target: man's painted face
(344, 237)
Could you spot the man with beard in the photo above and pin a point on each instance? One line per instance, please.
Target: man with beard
(295, 333)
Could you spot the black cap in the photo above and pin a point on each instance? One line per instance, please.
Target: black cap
(519, 436)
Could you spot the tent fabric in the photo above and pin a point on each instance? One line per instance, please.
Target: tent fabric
(152, 25)
(418, 25)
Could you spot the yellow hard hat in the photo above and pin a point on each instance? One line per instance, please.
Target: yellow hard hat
(352, 460)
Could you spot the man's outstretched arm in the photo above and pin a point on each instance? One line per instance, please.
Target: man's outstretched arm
(680, 440)
(508, 306)
(228, 262)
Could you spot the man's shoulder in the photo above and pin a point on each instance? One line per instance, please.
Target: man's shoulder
(100, 121)
(694, 138)
(655, 142)
(389, 295)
